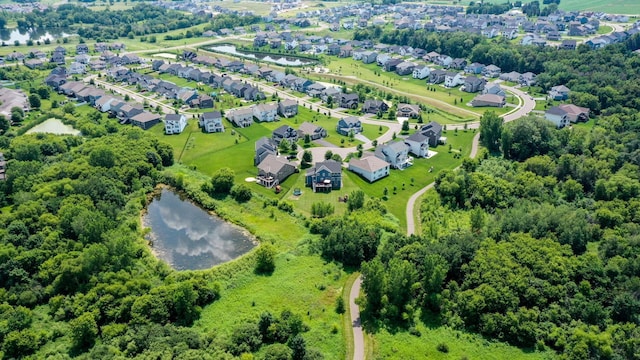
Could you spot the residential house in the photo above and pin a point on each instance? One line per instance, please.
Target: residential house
(348, 101)
(332, 93)
(324, 176)
(264, 147)
(458, 64)
(128, 111)
(34, 63)
(369, 167)
(437, 76)
(369, 57)
(491, 71)
(241, 117)
(265, 112)
(405, 68)
(77, 68)
(174, 123)
(512, 76)
(392, 65)
(284, 133)
(452, 79)
(350, 124)
(315, 90)
(421, 72)
(474, 68)
(205, 101)
(211, 122)
(494, 89)
(345, 51)
(288, 108)
(408, 111)
(104, 103)
(565, 114)
(382, 59)
(396, 153)
(433, 132)
(491, 100)
(443, 60)
(374, 107)
(83, 58)
(473, 84)
(145, 120)
(559, 92)
(418, 144)
(82, 49)
(315, 132)
(568, 44)
(273, 170)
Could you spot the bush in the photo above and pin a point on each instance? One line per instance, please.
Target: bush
(265, 259)
(322, 209)
(241, 193)
(222, 181)
(443, 348)
(340, 308)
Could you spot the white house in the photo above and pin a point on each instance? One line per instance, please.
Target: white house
(174, 123)
(370, 167)
(421, 72)
(265, 112)
(211, 122)
(418, 144)
(452, 79)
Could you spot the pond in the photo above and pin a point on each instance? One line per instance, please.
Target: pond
(9, 36)
(189, 238)
(273, 58)
(53, 126)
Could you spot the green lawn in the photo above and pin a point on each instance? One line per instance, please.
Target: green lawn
(461, 345)
(631, 7)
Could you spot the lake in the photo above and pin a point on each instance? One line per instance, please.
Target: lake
(189, 238)
(53, 126)
(273, 58)
(9, 36)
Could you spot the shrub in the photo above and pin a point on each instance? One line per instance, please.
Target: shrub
(443, 348)
(241, 193)
(340, 308)
(265, 259)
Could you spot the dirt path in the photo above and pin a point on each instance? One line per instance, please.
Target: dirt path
(356, 325)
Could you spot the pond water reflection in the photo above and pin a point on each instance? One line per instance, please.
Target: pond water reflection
(189, 238)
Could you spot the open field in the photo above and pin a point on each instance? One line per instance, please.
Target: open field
(631, 7)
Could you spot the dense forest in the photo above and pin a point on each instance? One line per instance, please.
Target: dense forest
(141, 19)
(72, 266)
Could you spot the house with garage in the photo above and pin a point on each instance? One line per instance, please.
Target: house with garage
(211, 122)
(565, 114)
(473, 84)
(374, 107)
(474, 68)
(288, 108)
(491, 71)
(396, 153)
(369, 57)
(241, 117)
(145, 120)
(437, 76)
(348, 101)
(494, 89)
(350, 124)
(274, 170)
(284, 133)
(490, 100)
(265, 112)
(315, 132)
(370, 167)
(408, 111)
(418, 144)
(433, 132)
(264, 147)
(324, 176)
(559, 92)
(174, 123)
(392, 65)
(405, 68)
(315, 90)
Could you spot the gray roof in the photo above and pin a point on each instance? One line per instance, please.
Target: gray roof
(332, 165)
(369, 163)
(172, 117)
(417, 137)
